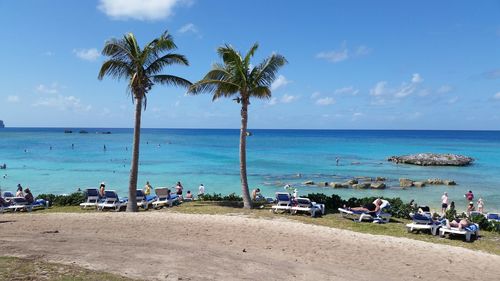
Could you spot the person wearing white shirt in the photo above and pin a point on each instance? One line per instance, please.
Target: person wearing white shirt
(201, 190)
(444, 202)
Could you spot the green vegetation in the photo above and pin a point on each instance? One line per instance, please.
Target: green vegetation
(142, 68)
(34, 269)
(236, 77)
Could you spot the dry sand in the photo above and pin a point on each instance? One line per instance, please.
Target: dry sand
(162, 245)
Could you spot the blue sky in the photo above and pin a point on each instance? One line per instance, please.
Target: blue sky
(352, 64)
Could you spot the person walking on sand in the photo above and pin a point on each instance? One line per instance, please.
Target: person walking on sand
(444, 203)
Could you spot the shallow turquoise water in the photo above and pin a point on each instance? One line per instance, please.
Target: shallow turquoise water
(275, 157)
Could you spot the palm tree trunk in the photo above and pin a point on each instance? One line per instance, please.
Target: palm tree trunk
(134, 167)
(243, 156)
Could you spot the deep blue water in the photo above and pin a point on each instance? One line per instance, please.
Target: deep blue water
(275, 158)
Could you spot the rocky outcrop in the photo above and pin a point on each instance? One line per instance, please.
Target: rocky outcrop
(377, 185)
(363, 185)
(351, 182)
(432, 159)
(419, 183)
(403, 182)
(2, 125)
(338, 185)
(308, 183)
(441, 182)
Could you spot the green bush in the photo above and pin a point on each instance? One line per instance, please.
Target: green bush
(73, 199)
(219, 197)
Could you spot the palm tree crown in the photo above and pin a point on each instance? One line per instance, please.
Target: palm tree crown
(142, 67)
(236, 76)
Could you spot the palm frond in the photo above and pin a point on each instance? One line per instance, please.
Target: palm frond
(171, 80)
(265, 73)
(169, 59)
(116, 69)
(250, 53)
(261, 92)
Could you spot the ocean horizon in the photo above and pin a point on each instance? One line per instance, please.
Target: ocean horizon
(51, 161)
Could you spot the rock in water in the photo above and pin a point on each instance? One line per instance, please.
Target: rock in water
(405, 182)
(432, 159)
(419, 184)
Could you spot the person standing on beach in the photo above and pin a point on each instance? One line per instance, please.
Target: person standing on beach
(19, 192)
(480, 205)
(201, 190)
(179, 188)
(102, 189)
(444, 203)
(147, 188)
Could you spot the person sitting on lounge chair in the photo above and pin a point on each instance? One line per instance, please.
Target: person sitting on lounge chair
(370, 207)
(189, 195)
(460, 223)
(28, 196)
(102, 190)
(19, 192)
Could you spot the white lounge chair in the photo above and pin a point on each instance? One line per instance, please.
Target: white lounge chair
(92, 198)
(283, 202)
(21, 204)
(424, 222)
(164, 198)
(493, 217)
(144, 201)
(111, 201)
(467, 231)
(365, 216)
(7, 195)
(305, 205)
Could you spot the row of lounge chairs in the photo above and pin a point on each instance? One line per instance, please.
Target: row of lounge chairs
(20, 203)
(112, 201)
(285, 203)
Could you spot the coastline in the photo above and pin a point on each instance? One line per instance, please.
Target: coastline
(163, 245)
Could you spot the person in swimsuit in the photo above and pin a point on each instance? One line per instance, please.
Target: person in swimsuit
(370, 207)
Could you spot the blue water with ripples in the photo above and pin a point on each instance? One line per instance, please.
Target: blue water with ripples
(275, 158)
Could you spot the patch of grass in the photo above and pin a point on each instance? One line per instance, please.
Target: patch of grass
(33, 269)
(489, 241)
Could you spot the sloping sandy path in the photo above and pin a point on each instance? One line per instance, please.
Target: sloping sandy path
(171, 246)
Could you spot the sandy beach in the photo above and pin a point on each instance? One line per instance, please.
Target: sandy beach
(171, 246)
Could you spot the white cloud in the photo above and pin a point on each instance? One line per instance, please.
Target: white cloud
(416, 78)
(347, 90)
(325, 101)
(315, 95)
(334, 56)
(444, 89)
(288, 98)
(54, 88)
(273, 101)
(279, 82)
(87, 54)
(356, 116)
(497, 96)
(190, 27)
(378, 89)
(63, 103)
(343, 53)
(139, 9)
(13, 99)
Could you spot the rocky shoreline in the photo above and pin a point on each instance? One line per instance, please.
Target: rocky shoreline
(432, 159)
(379, 183)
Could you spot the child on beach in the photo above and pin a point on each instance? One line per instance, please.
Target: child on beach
(480, 205)
(470, 208)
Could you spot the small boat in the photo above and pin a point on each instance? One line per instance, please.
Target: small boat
(68, 131)
(83, 132)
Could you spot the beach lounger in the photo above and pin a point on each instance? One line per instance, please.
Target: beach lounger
(360, 216)
(164, 199)
(21, 204)
(111, 201)
(305, 205)
(493, 217)
(144, 201)
(424, 222)
(283, 202)
(92, 198)
(7, 195)
(467, 231)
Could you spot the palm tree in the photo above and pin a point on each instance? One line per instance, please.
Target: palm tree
(237, 78)
(142, 70)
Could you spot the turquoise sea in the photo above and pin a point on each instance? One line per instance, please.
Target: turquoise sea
(44, 160)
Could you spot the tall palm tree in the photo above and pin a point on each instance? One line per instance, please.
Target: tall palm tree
(237, 78)
(142, 69)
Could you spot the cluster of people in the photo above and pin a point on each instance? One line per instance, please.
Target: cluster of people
(178, 190)
(26, 194)
(469, 196)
